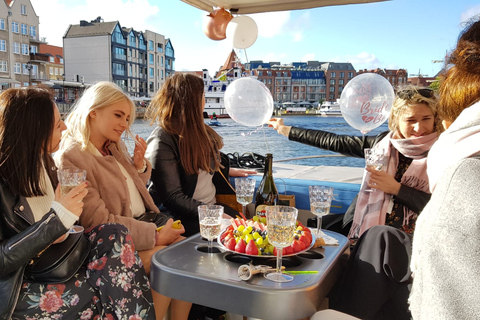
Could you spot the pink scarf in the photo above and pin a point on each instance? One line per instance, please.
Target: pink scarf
(371, 208)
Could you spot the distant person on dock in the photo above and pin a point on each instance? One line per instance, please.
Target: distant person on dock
(383, 220)
(116, 180)
(446, 245)
(187, 165)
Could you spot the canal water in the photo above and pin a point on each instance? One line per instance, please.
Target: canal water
(241, 139)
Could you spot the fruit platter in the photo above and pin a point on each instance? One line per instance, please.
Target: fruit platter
(250, 238)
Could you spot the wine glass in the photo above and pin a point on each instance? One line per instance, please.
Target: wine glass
(210, 219)
(374, 159)
(320, 202)
(281, 223)
(245, 189)
(69, 179)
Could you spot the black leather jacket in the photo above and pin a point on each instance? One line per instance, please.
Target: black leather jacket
(21, 239)
(354, 146)
(171, 186)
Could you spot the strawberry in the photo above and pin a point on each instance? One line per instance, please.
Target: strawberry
(297, 246)
(230, 244)
(305, 240)
(288, 250)
(240, 246)
(251, 248)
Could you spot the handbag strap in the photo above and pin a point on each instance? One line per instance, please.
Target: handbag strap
(228, 182)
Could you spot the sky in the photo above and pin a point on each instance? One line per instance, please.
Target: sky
(396, 34)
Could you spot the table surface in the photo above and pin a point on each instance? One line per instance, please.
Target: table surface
(185, 271)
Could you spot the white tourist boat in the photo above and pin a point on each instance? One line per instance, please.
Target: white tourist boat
(329, 109)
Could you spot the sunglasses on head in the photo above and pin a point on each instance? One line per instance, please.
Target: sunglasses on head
(409, 93)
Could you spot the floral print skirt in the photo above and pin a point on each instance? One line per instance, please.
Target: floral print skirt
(112, 284)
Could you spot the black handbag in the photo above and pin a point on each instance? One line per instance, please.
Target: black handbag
(59, 262)
(158, 218)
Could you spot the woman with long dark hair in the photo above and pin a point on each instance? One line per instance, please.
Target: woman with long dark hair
(111, 283)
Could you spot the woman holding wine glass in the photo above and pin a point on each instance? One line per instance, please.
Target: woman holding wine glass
(188, 168)
(384, 220)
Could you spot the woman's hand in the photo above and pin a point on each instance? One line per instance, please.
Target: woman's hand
(383, 181)
(72, 201)
(139, 152)
(277, 124)
(168, 234)
(235, 172)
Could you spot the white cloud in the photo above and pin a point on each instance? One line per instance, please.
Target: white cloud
(469, 13)
(272, 23)
(363, 60)
(308, 57)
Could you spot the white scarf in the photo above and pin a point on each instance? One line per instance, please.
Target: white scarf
(461, 140)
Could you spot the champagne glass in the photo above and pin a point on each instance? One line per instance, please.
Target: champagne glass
(374, 159)
(210, 219)
(245, 189)
(281, 223)
(69, 179)
(320, 203)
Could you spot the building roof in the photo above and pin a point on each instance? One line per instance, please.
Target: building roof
(90, 29)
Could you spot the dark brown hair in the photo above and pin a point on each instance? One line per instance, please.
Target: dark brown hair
(177, 107)
(26, 126)
(460, 87)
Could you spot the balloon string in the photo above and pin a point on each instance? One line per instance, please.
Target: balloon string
(265, 137)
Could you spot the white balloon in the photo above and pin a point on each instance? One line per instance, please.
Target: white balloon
(248, 102)
(366, 101)
(242, 31)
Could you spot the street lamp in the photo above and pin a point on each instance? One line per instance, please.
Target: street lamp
(29, 67)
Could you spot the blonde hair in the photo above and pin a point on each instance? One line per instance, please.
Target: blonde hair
(102, 94)
(409, 96)
(177, 107)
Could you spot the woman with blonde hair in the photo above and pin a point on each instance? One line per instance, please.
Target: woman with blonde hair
(185, 152)
(375, 284)
(116, 180)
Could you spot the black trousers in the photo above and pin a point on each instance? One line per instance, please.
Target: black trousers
(377, 280)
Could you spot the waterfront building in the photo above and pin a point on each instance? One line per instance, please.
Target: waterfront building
(19, 42)
(137, 61)
(396, 77)
(337, 75)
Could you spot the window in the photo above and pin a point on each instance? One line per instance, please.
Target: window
(24, 29)
(129, 70)
(33, 31)
(61, 60)
(269, 81)
(161, 60)
(169, 50)
(25, 49)
(332, 89)
(332, 82)
(332, 75)
(51, 71)
(61, 71)
(2, 24)
(117, 36)
(150, 72)
(150, 58)
(260, 73)
(160, 48)
(150, 86)
(141, 43)
(161, 71)
(16, 68)
(269, 73)
(350, 75)
(23, 9)
(150, 45)
(342, 74)
(56, 71)
(340, 82)
(15, 27)
(52, 59)
(33, 49)
(133, 40)
(16, 47)
(3, 66)
(119, 68)
(24, 68)
(3, 45)
(332, 96)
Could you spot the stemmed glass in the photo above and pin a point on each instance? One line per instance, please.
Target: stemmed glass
(210, 219)
(281, 222)
(374, 159)
(69, 179)
(245, 189)
(320, 203)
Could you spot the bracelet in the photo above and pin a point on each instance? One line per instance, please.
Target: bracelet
(144, 168)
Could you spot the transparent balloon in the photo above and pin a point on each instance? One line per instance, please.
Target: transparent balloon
(366, 101)
(242, 31)
(248, 102)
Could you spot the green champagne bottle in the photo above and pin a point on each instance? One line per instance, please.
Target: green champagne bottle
(267, 194)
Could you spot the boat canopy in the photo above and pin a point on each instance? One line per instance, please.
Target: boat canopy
(257, 6)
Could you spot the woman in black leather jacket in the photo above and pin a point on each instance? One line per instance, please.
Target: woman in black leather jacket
(34, 215)
(375, 284)
(185, 152)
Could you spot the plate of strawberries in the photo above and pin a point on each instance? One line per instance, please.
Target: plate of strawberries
(249, 237)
